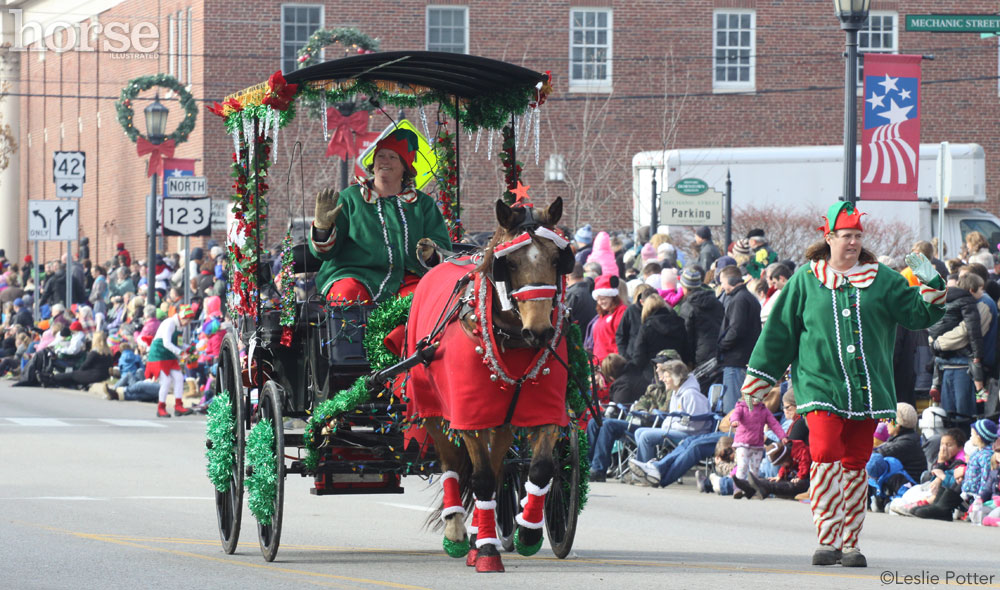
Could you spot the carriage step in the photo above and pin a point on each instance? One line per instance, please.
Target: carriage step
(328, 484)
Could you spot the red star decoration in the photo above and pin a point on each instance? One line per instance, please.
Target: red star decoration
(521, 193)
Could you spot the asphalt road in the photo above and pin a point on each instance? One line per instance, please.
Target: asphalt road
(97, 494)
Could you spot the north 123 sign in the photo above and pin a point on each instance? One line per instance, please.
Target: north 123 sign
(187, 217)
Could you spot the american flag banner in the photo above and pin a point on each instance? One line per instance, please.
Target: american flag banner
(890, 139)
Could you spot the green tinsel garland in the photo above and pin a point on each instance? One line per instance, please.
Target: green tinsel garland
(235, 120)
(220, 429)
(126, 114)
(579, 372)
(382, 320)
(262, 483)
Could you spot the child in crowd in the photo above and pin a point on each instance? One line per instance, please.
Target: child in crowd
(940, 494)
(984, 434)
(749, 440)
(990, 490)
(794, 461)
(947, 341)
(724, 463)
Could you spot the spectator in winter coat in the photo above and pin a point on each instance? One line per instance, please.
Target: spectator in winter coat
(989, 301)
(777, 275)
(739, 332)
(960, 367)
(579, 298)
(610, 310)
(708, 252)
(761, 255)
(94, 368)
(122, 254)
(702, 313)
(904, 445)
(628, 329)
(687, 399)
(603, 255)
(669, 289)
(582, 241)
(661, 329)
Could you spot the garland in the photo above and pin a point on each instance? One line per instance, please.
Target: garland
(262, 471)
(286, 282)
(346, 36)
(250, 213)
(382, 320)
(511, 167)
(220, 429)
(447, 183)
(577, 402)
(126, 114)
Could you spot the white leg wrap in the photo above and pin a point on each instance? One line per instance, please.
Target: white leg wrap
(855, 485)
(481, 542)
(446, 512)
(488, 505)
(827, 501)
(535, 490)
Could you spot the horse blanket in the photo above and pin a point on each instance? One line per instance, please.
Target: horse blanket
(457, 384)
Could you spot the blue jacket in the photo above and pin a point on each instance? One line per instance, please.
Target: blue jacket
(129, 362)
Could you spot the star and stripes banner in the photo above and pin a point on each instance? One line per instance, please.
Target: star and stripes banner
(890, 139)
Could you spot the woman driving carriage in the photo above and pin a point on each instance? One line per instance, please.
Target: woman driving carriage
(368, 234)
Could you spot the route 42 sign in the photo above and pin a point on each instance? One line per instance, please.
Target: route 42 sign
(69, 172)
(53, 220)
(187, 217)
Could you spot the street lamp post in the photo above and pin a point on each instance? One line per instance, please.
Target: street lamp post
(852, 15)
(156, 124)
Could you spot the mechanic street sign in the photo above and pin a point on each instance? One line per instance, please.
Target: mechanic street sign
(953, 23)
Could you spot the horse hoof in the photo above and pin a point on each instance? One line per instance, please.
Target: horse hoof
(488, 560)
(456, 548)
(527, 541)
(470, 557)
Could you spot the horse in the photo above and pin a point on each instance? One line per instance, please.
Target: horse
(493, 370)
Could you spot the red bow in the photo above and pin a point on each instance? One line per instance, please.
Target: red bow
(343, 142)
(156, 154)
(280, 92)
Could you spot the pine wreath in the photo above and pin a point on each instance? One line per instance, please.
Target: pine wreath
(348, 37)
(126, 114)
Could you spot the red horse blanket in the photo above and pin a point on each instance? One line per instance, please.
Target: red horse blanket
(457, 384)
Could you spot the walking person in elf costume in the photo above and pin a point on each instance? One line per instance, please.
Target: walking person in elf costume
(835, 324)
(163, 361)
(368, 235)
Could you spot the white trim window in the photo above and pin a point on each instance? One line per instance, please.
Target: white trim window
(590, 37)
(298, 23)
(448, 29)
(734, 44)
(879, 35)
(555, 168)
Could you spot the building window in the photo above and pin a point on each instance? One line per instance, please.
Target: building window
(171, 46)
(448, 29)
(733, 48)
(555, 168)
(298, 23)
(878, 36)
(590, 49)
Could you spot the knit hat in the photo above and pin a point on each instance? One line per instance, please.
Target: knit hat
(692, 277)
(648, 253)
(197, 254)
(603, 255)
(776, 453)
(120, 246)
(19, 302)
(755, 233)
(986, 429)
(742, 247)
(606, 286)
(667, 354)
(906, 415)
(882, 432)
(666, 251)
(584, 235)
(28, 259)
(185, 312)
(703, 232)
(28, 299)
(76, 326)
(402, 141)
(724, 261)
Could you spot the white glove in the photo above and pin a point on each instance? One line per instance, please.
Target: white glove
(921, 267)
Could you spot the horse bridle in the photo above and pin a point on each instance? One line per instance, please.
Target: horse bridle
(528, 229)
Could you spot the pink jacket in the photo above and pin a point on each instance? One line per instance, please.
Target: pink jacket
(672, 296)
(603, 255)
(750, 432)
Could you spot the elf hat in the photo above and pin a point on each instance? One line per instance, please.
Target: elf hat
(841, 215)
(404, 143)
(186, 312)
(986, 429)
(606, 286)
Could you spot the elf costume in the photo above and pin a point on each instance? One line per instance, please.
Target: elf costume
(163, 362)
(837, 331)
(370, 252)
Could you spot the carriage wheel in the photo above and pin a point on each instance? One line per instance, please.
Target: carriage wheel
(562, 500)
(229, 504)
(509, 500)
(269, 408)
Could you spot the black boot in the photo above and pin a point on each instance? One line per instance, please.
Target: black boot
(745, 487)
(945, 503)
(761, 485)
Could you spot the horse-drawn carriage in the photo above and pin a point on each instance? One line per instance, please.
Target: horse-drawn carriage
(333, 366)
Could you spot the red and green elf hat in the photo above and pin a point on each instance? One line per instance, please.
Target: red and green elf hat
(404, 143)
(841, 215)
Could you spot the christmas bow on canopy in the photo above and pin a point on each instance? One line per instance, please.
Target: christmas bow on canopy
(156, 154)
(343, 140)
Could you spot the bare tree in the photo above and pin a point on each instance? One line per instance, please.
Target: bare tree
(8, 143)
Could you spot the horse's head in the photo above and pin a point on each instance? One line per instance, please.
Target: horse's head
(529, 260)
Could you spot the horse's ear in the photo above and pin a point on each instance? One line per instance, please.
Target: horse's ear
(553, 213)
(505, 215)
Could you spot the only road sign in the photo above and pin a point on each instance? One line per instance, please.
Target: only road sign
(69, 165)
(53, 220)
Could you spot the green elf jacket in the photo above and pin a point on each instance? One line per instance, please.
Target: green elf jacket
(367, 241)
(838, 333)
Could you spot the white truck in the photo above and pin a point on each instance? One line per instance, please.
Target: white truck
(810, 178)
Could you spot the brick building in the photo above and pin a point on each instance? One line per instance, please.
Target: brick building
(629, 76)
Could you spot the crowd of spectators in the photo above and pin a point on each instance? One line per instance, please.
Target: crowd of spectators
(665, 325)
(102, 337)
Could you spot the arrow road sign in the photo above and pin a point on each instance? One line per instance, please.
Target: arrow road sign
(69, 187)
(69, 165)
(53, 220)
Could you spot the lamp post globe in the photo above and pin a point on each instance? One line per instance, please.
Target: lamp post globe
(156, 120)
(852, 14)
